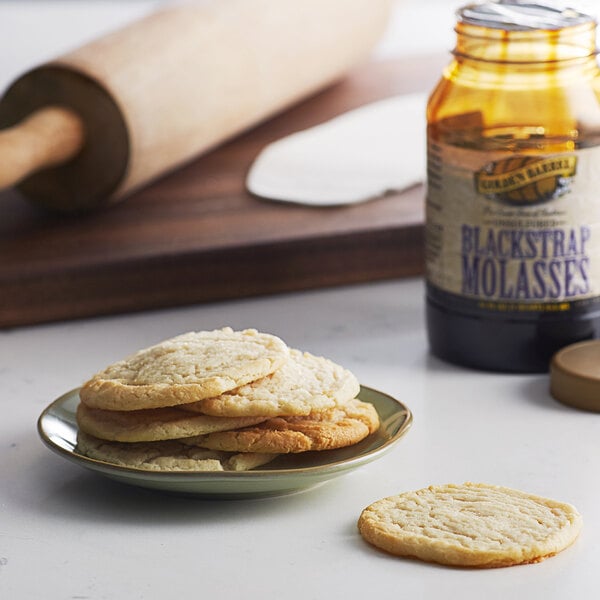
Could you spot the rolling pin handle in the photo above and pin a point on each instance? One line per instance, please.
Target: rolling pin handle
(50, 136)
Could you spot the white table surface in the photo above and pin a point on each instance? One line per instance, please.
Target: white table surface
(66, 533)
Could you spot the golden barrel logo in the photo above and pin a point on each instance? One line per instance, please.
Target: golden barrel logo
(526, 179)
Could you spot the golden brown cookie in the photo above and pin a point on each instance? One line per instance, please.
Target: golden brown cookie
(334, 428)
(303, 385)
(470, 525)
(167, 456)
(185, 369)
(153, 424)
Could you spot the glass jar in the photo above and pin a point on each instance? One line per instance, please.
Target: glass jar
(513, 198)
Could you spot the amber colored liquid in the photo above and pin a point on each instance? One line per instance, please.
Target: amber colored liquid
(530, 107)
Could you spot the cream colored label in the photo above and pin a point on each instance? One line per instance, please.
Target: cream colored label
(514, 231)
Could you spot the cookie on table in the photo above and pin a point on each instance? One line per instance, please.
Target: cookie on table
(337, 427)
(153, 424)
(470, 525)
(167, 456)
(302, 385)
(184, 369)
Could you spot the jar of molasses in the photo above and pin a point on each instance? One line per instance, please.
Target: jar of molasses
(513, 194)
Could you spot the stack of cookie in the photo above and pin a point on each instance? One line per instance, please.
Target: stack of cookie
(219, 400)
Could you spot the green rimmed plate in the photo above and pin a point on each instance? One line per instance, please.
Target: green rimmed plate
(57, 427)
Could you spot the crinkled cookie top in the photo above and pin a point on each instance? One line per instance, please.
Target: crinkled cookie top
(184, 369)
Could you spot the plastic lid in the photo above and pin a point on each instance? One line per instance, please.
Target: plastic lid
(575, 375)
(514, 15)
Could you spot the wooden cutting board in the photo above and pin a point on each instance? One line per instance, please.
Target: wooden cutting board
(197, 235)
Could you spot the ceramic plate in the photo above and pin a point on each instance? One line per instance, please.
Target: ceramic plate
(57, 427)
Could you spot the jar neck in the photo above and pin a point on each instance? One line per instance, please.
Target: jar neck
(566, 46)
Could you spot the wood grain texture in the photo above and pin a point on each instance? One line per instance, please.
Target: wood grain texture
(197, 235)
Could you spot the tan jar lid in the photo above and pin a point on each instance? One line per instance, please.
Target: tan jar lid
(575, 375)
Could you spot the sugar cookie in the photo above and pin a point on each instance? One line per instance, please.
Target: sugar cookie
(167, 456)
(185, 369)
(471, 525)
(153, 424)
(334, 428)
(302, 385)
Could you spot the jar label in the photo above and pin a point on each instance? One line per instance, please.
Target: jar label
(513, 232)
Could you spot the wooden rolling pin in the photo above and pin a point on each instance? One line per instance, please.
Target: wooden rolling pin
(88, 128)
